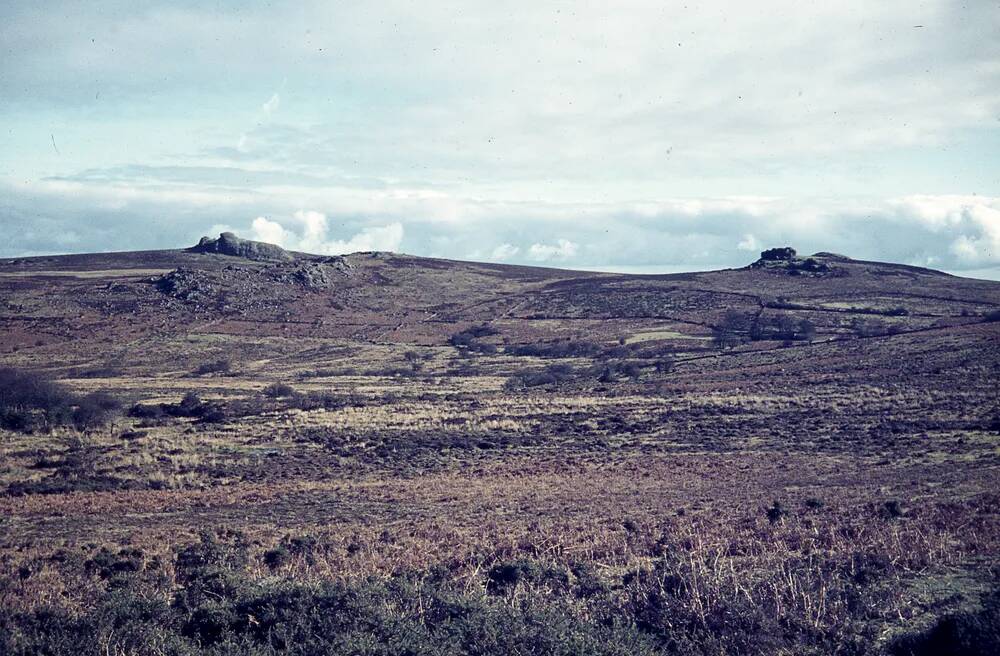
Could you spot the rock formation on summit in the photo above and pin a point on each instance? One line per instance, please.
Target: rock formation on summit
(229, 244)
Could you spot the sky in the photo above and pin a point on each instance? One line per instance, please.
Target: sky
(626, 136)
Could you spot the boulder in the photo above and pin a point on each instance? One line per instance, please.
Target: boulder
(229, 244)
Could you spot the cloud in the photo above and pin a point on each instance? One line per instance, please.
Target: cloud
(976, 219)
(310, 235)
(270, 106)
(748, 243)
(639, 91)
(955, 233)
(504, 252)
(271, 232)
(263, 117)
(561, 250)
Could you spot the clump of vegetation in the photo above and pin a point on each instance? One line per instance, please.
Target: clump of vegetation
(873, 328)
(550, 375)
(224, 366)
(737, 328)
(190, 405)
(29, 401)
(561, 349)
(468, 340)
(278, 390)
(614, 371)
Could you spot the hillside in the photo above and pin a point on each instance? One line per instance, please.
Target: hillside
(641, 447)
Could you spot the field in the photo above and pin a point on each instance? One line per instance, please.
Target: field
(382, 454)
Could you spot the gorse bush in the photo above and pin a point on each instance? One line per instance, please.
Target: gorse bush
(30, 401)
(564, 349)
(190, 405)
(757, 588)
(279, 390)
(551, 375)
(216, 367)
(468, 340)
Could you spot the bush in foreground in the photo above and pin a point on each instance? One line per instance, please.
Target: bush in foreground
(30, 401)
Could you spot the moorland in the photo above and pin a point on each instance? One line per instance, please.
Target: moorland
(234, 449)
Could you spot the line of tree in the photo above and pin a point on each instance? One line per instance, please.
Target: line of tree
(738, 328)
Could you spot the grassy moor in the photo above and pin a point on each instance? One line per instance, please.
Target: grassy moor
(237, 449)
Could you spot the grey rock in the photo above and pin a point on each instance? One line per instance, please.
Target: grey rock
(229, 244)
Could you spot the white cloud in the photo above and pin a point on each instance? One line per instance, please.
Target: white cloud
(976, 219)
(271, 232)
(748, 243)
(561, 250)
(504, 252)
(955, 233)
(310, 235)
(375, 238)
(270, 106)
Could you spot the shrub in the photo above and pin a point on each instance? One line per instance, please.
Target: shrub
(665, 365)
(872, 328)
(613, 371)
(551, 375)
(190, 406)
(467, 340)
(95, 410)
(218, 367)
(29, 401)
(563, 349)
(775, 512)
(275, 558)
(733, 330)
(146, 411)
(782, 328)
(278, 390)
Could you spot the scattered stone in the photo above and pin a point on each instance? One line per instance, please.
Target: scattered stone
(184, 284)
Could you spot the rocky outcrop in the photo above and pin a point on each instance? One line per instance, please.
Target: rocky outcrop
(786, 261)
(229, 244)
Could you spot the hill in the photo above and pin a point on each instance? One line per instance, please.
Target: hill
(794, 456)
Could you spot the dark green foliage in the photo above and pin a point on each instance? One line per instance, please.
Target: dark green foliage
(275, 558)
(530, 606)
(95, 410)
(563, 349)
(398, 616)
(782, 328)
(217, 367)
(278, 390)
(505, 576)
(775, 512)
(190, 405)
(468, 340)
(551, 375)
(737, 328)
(774, 254)
(30, 401)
